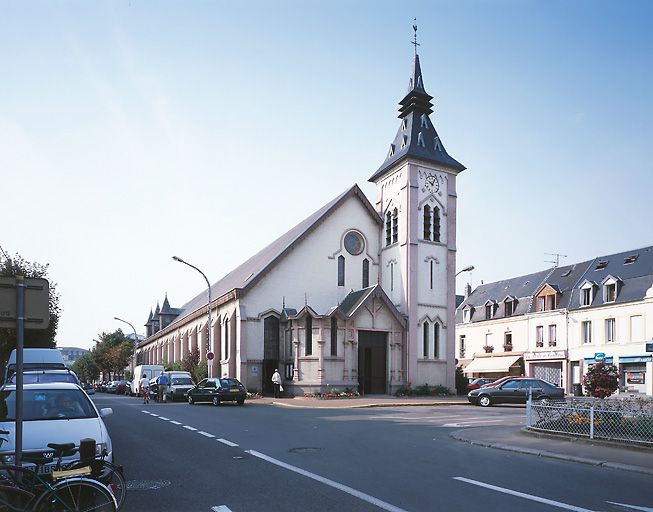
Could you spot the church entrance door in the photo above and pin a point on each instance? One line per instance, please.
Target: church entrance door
(372, 362)
(270, 352)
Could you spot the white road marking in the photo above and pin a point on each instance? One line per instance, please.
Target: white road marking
(228, 443)
(471, 423)
(146, 412)
(155, 415)
(205, 434)
(344, 488)
(190, 428)
(634, 507)
(221, 508)
(175, 422)
(164, 418)
(524, 495)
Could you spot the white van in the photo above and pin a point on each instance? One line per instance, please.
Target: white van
(151, 371)
(178, 384)
(35, 359)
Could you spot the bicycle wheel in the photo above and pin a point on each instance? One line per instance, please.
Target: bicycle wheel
(13, 499)
(76, 495)
(107, 473)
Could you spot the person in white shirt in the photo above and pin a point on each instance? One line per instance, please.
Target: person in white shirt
(276, 380)
(144, 387)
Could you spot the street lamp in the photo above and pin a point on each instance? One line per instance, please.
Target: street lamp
(208, 342)
(135, 340)
(468, 268)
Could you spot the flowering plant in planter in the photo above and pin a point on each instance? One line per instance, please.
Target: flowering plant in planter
(488, 348)
(601, 380)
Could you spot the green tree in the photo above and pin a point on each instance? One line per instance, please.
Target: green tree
(86, 368)
(112, 353)
(461, 381)
(601, 380)
(191, 362)
(34, 338)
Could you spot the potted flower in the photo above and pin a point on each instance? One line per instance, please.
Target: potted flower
(488, 348)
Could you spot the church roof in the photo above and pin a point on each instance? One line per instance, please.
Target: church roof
(417, 137)
(166, 309)
(356, 299)
(251, 271)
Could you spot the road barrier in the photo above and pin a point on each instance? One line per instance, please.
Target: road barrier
(627, 420)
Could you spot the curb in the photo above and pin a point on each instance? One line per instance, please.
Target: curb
(458, 436)
(367, 406)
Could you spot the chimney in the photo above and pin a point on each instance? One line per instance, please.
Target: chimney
(468, 290)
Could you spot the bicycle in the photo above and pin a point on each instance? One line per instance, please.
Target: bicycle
(23, 489)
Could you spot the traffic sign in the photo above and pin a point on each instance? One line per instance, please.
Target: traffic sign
(649, 346)
(37, 312)
(210, 356)
(599, 356)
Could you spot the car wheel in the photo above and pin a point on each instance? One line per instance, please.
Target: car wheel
(240, 402)
(216, 401)
(484, 401)
(543, 400)
(190, 400)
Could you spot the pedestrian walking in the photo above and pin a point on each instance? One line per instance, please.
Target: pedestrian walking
(276, 380)
(162, 388)
(144, 387)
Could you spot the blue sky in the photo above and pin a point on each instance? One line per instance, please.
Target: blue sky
(128, 126)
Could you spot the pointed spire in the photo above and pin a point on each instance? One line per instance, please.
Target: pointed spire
(416, 137)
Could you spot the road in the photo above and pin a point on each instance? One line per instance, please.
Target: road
(261, 457)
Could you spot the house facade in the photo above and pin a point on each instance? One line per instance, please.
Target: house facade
(556, 323)
(358, 295)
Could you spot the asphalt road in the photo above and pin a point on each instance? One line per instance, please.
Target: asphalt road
(260, 457)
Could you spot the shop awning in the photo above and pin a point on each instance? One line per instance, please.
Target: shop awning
(496, 364)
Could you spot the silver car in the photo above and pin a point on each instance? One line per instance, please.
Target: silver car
(56, 412)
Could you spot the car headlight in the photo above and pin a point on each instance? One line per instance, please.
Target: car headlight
(100, 449)
(8, 459)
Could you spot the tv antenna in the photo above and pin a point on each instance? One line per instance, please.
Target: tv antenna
(557, 255)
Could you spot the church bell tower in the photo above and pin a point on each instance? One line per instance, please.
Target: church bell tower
(416, 197)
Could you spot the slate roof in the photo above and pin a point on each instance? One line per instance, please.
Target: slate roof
(355, 299)
(251, 271)
(634, 280)
(417, 137)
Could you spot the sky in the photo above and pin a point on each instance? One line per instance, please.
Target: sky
(132, 131)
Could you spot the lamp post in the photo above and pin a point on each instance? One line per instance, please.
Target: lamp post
(135, 341)
(208, 327)
(468, 268)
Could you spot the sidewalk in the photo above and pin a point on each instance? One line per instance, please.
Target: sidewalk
(517, 439)
(361, 402)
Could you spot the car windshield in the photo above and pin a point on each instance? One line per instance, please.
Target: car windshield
(47, 404)
(229, 383)
(182, 381)
(35, 378)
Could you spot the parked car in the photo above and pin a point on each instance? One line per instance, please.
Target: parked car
(149, 370)
(122, 387)
(179, 385)
(217, 391)
(35, 359)
(53, 413)
(498, 381)
(477, 383)
(88, 387)
(514, 390)
(44, 376)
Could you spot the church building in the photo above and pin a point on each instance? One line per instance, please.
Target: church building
(359, 295)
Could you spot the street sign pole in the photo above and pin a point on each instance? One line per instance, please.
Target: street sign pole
(20, 342)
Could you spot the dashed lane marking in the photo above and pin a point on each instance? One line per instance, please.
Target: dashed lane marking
(228, 443)
(221, 508)
(190, 428)
(205, 434)
(344, 488)
(164, 418)
(524, 495)
(175, 422)
(155, 415)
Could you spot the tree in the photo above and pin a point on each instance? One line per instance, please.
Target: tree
(86, 368)
(191, 362)
(34, 338)
(113, 352)
(601, 380)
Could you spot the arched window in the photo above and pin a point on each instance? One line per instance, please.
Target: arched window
(226, 339)
(366, 273)
(427, 222)
(388, 228)
(308, 327)
(341, 270)
(436, 224)
(395, 226)
(436, 340)
(426, 340)
(334, 336)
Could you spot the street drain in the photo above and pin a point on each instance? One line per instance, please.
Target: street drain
(305, 449)
(146, 485)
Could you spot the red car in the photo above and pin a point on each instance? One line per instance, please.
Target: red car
(477, 383)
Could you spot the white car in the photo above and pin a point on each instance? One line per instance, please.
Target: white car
(56, 412)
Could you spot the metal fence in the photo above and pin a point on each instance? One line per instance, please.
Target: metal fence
(628, 420)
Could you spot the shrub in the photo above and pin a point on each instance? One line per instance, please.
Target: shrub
(601, 380)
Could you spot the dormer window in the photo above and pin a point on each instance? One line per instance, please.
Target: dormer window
(630, 259)
(601, 265)
(509, 304)
(489, 310)
(587, 294)
(467, 315)
(610, 289)
(546, 299)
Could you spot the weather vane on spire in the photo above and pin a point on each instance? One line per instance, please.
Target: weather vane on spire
(414, 41)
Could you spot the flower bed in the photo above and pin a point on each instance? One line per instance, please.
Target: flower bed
(423, 390)
(333, 394)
